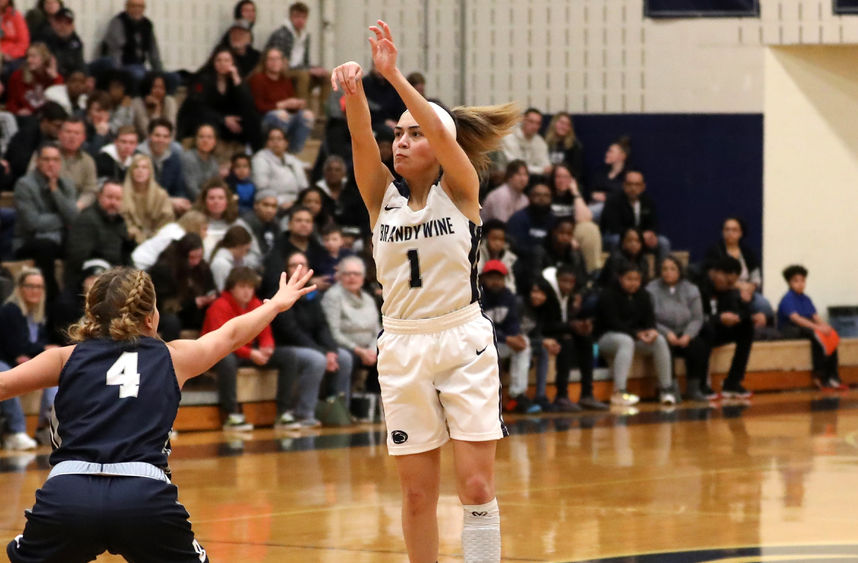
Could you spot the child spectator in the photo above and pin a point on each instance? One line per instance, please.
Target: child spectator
(630, 250)
(728, 319)
(262, 221)
(571, 326)
(332, 240)
(496, 248)
(184, 286)
(500, 305)
(626, 324)
(797, 318)
(561, 248)
(539, 309)
(238, 298)
(27, 85)
(240, 181)
(679, 318)
(229, 253)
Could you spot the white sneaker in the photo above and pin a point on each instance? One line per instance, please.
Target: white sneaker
(237, 423)
(623, 399)
(18, 441)
(667, 398)
(284, 421)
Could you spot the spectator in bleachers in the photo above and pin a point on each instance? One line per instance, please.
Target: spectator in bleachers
(333, 182)
(304, 330)
(240, 181)
(115, 159)
(13, 423)
(45, 204)
(320, 206)
(166, 159)
(219, 97)
(385, 105)
(15, 37)
(679, 319)
(146, 206)
(297, 238)
(78, 166)
(130, 42)
(417, 80)
(98, 232)
(220, 206)
(495, 247)
(38, 17)
(560, 247)
(25, 94)
(567, 201)
(500, 305)
(630, 250)
(70, 305)
(63, 41)
(71, 95)
(32, 135)
(335, 251)
(539, 310)
(609, 180)
(525, 143)
(275, 100)
(229, 253)
(353, 318)
(184, 286)
(633, 208)
(238, 298)
(509, 197)
(239, 41)
(23, 334)
(146, 253)
(153, 103)
(293, 40)
(98, 133)
(263, 222)
(797, 318)
(274, 168)
(750, 278)
(117, 85)
(243, 10)
(528, 228)
(199, 163)
(625, 324)
(728, 319)
(567, 322)
(564, 147)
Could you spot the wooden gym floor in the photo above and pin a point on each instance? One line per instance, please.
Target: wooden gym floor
(772, 480)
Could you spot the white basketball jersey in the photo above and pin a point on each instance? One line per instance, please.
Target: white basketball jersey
(426, 260)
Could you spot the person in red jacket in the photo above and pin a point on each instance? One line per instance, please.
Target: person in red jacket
(15, 37)
(27, 85)
(239, 297)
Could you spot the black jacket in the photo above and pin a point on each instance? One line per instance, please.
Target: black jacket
(304, 325)
(619, 215)
(15, 335)
(619, 311)
(95, 234)
(68, 52)
(717, 302)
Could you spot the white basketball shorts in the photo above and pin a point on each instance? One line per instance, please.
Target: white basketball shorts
(439, 380)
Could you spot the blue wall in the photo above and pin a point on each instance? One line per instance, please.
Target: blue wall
(699, 168)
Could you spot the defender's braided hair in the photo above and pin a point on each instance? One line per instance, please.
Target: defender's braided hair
(116, 306)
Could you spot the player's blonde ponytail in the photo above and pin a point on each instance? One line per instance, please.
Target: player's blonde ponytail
(479, 130)
(116, 306)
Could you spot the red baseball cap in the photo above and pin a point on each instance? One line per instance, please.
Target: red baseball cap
(495, 266)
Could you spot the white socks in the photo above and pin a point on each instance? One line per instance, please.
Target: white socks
(481, 533)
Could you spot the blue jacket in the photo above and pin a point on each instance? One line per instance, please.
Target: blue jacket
(502, 309)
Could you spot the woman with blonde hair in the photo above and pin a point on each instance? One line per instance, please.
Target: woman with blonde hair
(146, 206)
(437, 363)
(23, 335)
(119, 394)
(27, 85)
(564, 147)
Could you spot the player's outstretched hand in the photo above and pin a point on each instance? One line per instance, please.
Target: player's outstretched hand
(348, 75)
(292, 289)
(383, 49)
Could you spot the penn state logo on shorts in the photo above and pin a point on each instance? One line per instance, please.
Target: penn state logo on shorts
(399, 436)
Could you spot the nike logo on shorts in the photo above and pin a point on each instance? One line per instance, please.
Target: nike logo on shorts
(388, 208)
(483, 350)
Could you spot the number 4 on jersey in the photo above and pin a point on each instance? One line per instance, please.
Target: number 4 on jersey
(124, 373)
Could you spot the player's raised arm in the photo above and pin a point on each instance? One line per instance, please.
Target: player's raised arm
(371, 175)
(40, 372)
(193, 357)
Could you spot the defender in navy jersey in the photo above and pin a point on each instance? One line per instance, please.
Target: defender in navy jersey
(119, 390)
(437, 361)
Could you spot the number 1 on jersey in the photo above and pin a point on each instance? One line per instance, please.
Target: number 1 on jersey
(124, 373)
(415, 268)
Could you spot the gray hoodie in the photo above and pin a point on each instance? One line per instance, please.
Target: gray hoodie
(678, 308)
